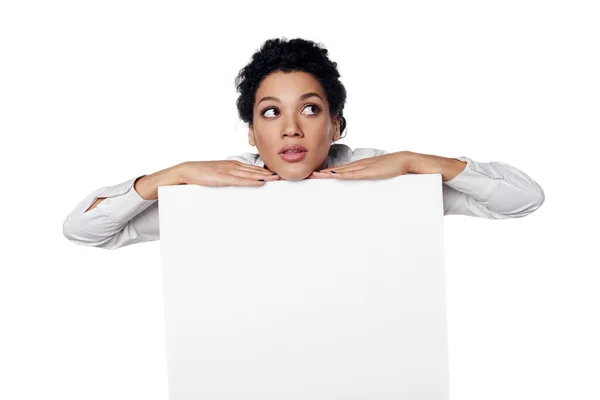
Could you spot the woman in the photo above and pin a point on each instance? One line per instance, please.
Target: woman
(293, 101)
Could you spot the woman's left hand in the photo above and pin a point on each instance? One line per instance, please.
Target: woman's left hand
(378, 167)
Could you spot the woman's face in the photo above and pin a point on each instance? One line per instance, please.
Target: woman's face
(285, 113)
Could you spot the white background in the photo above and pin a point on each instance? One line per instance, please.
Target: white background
(94, 93)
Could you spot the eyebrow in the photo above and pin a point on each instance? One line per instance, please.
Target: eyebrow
(304, 96)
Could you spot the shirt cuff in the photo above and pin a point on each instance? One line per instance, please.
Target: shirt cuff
(122, 202)
(479, 180)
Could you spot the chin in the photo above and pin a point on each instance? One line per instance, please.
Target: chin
(295, 176)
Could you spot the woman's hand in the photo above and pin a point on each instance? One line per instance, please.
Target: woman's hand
(379, 167)
(224, 173)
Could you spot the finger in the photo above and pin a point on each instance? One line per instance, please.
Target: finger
(250, 166)
(321, 175)
(328, 170)
(344, 166)
(332, 173)
(363, 173)
(232, 180)
(253, 168)
(253, 175)
(266, 173)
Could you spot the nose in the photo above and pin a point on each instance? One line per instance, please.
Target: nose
(292, 134)
(291, 128)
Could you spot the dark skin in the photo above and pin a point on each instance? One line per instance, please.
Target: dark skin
(289, 114)
(292, 119)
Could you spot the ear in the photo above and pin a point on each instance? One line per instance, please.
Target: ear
(251, 140)
(336, 129)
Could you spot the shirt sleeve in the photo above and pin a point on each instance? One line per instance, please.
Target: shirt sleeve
(122, 219)
(494, 190)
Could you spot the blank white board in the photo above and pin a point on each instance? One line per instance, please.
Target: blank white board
(305, 290)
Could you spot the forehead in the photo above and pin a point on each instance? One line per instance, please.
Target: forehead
(288, 85)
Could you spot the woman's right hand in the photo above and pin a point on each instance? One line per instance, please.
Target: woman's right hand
(225, 173)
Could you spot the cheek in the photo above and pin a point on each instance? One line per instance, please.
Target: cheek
(266, 143)
(326, 137)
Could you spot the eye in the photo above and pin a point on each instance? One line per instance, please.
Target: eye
(267, 109)
(263, 112)
(315, 106)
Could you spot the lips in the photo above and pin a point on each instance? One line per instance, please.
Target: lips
(292, 153)
(294, 148)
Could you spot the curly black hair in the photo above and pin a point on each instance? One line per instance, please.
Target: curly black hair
(287, 56)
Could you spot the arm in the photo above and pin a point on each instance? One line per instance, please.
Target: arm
(115, 216)
(494, 190)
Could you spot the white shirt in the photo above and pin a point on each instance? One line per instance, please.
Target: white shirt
(492, 190)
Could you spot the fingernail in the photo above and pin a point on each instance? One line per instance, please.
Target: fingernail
(262, 180)
(333, 172)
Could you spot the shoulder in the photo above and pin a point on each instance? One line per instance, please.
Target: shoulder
(246, 158)
(343, 154)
